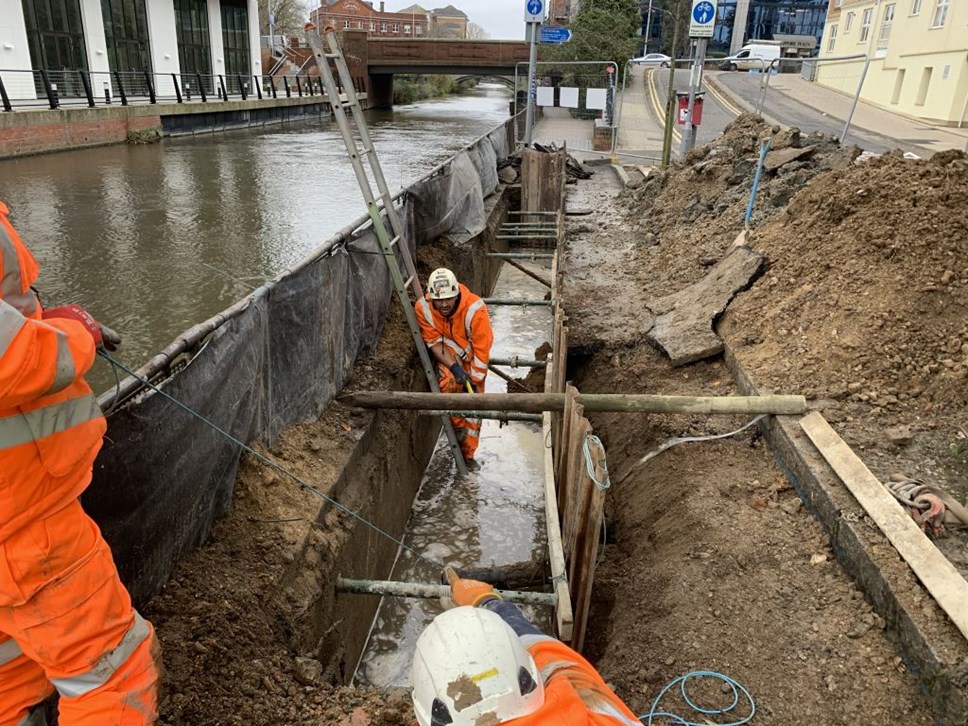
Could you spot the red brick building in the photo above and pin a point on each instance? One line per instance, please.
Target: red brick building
(559, 12)
(360, 15)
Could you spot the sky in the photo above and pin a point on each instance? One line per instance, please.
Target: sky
(503, 19)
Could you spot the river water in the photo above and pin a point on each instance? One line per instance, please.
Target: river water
(154, 239)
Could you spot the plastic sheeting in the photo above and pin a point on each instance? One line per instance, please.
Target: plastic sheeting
(164, 477)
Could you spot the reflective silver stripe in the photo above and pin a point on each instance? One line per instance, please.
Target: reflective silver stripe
(22, 428)
(66, 373)
(454, 347)
(105, 668)
(36, 718)
(11, 321)
(425, 309)
(9, 651)
(535, 638)
(11, 282)
(608, 709)
(473, 433)
(480, 364)
(476, 376)
(469, 316)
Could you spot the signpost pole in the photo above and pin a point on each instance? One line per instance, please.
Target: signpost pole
(532, 83)
(695, 85)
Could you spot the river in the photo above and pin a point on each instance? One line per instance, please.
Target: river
(154, 239)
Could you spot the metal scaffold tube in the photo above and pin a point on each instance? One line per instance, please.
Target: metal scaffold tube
(435, 592)
(504, 416)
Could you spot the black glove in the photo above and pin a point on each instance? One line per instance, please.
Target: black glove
(460, 375)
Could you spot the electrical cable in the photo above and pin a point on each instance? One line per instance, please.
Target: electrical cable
(266, 460)
(736, 687)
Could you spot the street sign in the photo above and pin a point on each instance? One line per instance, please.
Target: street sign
(554, 34)
(703, 19)
(534, 11)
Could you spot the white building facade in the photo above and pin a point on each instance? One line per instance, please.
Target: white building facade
(99, 42)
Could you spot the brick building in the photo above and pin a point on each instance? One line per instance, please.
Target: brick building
(448, 22)
(359, 15)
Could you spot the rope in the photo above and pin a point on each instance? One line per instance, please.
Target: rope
(590, 465)
(266, 460)
(681, 681)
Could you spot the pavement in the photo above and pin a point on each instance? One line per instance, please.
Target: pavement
(794, 101)
(557, 126)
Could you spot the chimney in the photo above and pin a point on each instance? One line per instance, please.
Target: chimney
(383, 6)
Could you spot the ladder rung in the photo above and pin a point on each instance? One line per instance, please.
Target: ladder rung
(395, 241)
(331, 55)
(409, 281)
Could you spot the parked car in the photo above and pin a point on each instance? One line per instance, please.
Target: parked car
(752, 55)
(654, 60)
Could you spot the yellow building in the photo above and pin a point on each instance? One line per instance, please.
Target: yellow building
(918, 51)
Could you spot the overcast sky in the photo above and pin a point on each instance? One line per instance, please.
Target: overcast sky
(503, 19)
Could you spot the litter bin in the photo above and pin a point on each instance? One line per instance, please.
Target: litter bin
(683, 105)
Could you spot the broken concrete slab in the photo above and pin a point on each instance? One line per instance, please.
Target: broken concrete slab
(776, 159)
(683, 323)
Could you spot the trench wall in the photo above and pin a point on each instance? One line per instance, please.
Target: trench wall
(277, 357)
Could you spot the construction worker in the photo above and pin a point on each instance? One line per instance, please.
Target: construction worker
(457, 330)
(66, 621)
(483, 662)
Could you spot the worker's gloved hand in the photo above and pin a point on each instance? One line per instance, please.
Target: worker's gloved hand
(103, 336)
(460, 375)
(471, 592)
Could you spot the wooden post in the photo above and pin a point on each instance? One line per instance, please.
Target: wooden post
(585, 555)
(597, 402)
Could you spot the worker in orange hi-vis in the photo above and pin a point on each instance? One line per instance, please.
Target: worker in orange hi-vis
(456, 327)
(483, 662)
(66, 621)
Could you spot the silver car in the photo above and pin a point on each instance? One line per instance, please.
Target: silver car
(654, 60)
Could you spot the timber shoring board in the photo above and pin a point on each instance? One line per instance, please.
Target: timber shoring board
(585, 555)
(932, 568)
(563, 612)
(932, 650)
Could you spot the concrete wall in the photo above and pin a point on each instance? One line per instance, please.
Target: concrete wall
(916, 69)
(164, 43)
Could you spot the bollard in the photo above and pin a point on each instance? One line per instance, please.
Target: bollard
(107, 93)
(54, 99)
(188, 91)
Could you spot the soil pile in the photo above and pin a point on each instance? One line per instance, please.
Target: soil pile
(864, 305)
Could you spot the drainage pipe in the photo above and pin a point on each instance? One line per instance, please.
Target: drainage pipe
(539, 402)
(434, 592)
(514, 362)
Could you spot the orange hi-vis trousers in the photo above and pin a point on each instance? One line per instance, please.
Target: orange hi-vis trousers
(468, 430)
(66, 623)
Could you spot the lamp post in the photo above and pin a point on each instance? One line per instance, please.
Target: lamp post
(648, 29)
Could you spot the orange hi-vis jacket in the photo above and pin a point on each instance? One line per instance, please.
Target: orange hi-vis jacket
(575, 694)
(50, 423)
(467, 332)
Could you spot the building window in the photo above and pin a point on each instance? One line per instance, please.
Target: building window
(55, 36)
(886, 24)
(839, 4)
(940, 14)
(395, 28)
(418, 30)
(372, 27)
(383, 28)
(849, 23)
(915, 7)
(406, 30)
(865, 25)
(194, 43)
(235, 43)
(832, 41)
(126, 33)
(346, 24)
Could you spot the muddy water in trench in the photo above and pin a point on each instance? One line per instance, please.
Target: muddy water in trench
(493, 517)
(154, 239)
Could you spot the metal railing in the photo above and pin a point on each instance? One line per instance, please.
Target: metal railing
(34, 89)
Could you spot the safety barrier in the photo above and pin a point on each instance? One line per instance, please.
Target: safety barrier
(32, 89)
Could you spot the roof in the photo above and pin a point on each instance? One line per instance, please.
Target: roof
(414, 10)
(450, 12)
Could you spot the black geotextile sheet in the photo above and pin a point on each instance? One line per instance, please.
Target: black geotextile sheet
(164, 476)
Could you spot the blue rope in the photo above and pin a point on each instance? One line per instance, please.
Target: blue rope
(590, 465)
(681, 681)
(264, 459)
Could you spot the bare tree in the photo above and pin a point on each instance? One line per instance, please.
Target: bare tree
(290, 16)
(477, 32)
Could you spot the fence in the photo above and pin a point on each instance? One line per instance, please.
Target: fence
(20, 89)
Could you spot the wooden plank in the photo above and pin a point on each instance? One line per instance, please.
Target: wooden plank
(586, 552)
(556, 557)
(938, 575)
(574, 509)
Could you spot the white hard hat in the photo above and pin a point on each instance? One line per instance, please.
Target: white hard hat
(442, 284)
(471, 668)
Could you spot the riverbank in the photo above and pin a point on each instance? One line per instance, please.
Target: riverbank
(410, 89)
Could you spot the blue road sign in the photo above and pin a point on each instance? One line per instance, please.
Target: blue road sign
(554, 35)
(535, 7)
(704, 12)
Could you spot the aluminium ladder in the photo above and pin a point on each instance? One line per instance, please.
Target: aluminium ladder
(380, 209)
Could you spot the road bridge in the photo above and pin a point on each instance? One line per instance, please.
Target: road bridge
(379, 59)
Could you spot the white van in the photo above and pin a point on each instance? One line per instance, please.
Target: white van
(755, 55)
